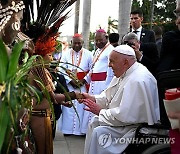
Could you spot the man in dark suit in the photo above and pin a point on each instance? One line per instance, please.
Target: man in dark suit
(146, 53)
(144, 35)
(169, 58)
(170, 55)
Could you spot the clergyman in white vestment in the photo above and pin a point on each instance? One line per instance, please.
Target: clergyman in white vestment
(77, 60)
(100, 75)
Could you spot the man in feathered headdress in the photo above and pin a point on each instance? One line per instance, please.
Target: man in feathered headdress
(44, 32)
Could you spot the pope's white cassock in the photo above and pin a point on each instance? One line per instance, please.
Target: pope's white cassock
(128, 101)
(69, 122)
(99, 76)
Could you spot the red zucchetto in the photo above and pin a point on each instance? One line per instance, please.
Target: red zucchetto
(77, 35)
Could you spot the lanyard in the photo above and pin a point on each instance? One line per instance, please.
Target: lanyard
(97, 57)
(79, 61)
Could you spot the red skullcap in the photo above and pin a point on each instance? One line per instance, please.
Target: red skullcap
(101, 31)
(77, 35)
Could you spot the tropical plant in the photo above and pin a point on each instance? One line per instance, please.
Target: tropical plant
(159, 11)
(15, 94)
(112, 25)
(91, 41)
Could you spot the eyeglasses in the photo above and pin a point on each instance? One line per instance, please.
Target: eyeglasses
(176, 13)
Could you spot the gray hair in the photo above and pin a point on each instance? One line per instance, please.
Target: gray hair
(129, 36)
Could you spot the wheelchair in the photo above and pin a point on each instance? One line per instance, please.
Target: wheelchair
(150, 140)
(160, 132)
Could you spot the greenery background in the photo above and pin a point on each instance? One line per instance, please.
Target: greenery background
(160, 11)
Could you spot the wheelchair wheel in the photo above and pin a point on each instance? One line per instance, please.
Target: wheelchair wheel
(158, 149)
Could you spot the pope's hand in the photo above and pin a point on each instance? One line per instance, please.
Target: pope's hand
(91, 106)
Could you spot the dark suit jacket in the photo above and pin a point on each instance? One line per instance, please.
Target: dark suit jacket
(169, 59)
(150, 57)
(147, 36)
(170, 51)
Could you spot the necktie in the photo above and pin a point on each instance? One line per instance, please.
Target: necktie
(135, 31)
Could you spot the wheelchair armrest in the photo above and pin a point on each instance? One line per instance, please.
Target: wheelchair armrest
(152, 130)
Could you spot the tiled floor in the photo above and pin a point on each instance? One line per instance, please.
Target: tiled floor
(68, 144)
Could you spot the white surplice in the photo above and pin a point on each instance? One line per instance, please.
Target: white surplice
(96, 87)
(69, 122)
(128, 101)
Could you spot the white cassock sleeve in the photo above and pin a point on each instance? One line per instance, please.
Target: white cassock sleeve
(136, 102)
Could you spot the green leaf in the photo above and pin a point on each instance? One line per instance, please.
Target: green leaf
(3, 62)
(36, 92)
(4, 120)
(25, 69)
(26, 57)
(14, 59)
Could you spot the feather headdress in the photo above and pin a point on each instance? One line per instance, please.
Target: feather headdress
(44, 29)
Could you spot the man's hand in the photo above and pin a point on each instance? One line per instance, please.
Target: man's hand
(91, 106)
(137, 52)
(59, 98)
(81, 96)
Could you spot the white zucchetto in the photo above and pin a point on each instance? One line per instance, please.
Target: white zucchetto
(125, 49)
